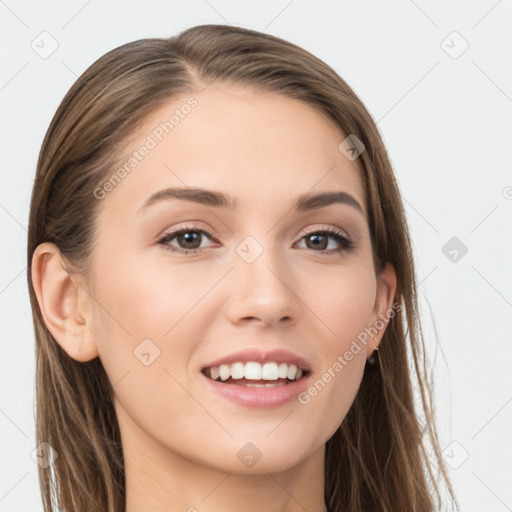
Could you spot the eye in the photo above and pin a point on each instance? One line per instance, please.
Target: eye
(189, 239)
(320, 240)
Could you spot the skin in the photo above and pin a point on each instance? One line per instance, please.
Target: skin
(181, 439)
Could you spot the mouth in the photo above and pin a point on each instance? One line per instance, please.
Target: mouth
(255, 374)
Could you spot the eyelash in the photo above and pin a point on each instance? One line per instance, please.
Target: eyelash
(346, 243)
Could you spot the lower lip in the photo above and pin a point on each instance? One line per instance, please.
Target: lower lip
(259, 397)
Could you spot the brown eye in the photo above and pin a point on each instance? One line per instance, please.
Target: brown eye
(189, 240)
(318, 241)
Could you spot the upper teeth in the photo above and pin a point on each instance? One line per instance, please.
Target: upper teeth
(255, 371)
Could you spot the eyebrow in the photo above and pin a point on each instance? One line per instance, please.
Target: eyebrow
(215, 199)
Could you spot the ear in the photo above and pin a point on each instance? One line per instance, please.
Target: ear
(383, 308)
(60, 300)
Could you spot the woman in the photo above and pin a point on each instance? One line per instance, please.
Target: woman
(221, 280)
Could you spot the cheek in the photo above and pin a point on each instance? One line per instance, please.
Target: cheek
(147, 301)
(343, 301)
(145, 338)
(149, 331)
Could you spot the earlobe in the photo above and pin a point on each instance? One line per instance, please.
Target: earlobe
(383, 308)
(58, 297)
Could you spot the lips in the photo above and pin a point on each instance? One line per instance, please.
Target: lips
(255, 394)
(253, 378)
(254, 368)
(254, 355)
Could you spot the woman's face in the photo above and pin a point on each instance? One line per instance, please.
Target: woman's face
(258, 276)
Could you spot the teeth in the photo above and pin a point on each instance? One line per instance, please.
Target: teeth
(225, 371)
(282, 371)
(237, 370)
(292, 371)
(255, 371)
(252, 371)
(269, 371)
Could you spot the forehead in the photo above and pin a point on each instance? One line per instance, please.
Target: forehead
(262, 148)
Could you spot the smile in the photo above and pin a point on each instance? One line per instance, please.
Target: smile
(254, 374)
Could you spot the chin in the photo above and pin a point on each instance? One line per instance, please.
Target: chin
(259, 457)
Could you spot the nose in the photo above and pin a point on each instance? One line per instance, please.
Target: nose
(264, 292)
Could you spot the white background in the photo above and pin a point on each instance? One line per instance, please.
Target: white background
(446, 122)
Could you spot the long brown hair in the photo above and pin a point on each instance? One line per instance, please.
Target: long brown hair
(385, 455)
